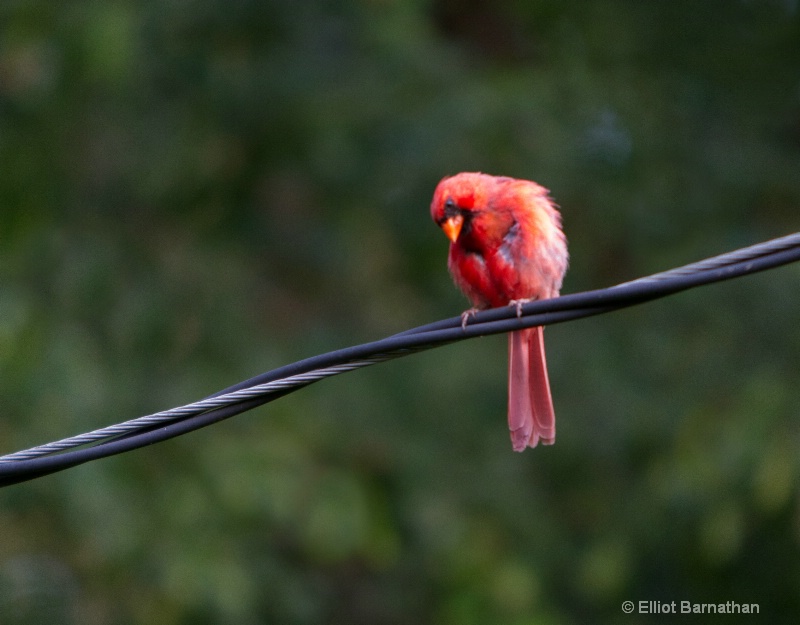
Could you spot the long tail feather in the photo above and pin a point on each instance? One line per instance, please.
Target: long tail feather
(520, 413)
(530, 407)
(544, 417)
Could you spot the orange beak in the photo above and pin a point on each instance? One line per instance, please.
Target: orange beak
(452, 227)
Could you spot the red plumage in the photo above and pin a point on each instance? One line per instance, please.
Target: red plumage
(507, 246)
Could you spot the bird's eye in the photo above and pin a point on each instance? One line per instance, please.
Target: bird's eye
(450, 206)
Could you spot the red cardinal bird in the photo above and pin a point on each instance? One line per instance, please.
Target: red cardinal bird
(507, 247)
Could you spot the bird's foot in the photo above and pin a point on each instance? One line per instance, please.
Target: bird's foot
(466, 315)
(518, 303)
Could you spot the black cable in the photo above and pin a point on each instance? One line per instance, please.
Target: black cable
(494, 321)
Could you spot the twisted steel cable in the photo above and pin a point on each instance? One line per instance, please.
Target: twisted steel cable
(174, 414)
(51, 457)
(715, 262)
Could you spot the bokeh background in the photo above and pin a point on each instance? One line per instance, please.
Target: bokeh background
(193, 192)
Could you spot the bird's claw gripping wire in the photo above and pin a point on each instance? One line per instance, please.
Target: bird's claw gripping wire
(465, 316)
(519, 303)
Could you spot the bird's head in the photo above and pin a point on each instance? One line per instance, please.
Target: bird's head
(457, 200)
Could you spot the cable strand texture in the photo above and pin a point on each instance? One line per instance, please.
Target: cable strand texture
(51, 457)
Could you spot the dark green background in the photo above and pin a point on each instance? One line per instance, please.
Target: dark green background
(192, 192)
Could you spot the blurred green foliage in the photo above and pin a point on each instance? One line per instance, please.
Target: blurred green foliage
(192, 192)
